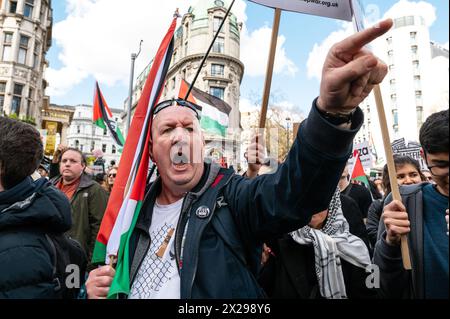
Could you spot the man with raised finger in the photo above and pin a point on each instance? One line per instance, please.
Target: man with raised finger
(201, 227)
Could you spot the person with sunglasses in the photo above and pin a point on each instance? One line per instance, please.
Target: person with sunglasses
(423, 217)
(111, 178)
(201, 229)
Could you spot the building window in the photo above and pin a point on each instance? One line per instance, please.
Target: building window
(37, 48)
(391, 67)
(174, 57)
(395, 115)
(7, 43)
(217, 92)
(92, 145)
(419, 115)
(23, 49)
(12, 6)
(393, 82)
(217, 70)
(389, 40)
(113, 150)
(217, 23)
(2, 96)
(219, 45)
(394, 98)
(105, 132)
(414, 49)
(416, 65)
(17, 99)
(104, 148)
(78, 129)
(418, 97)
(77, 144)
(413, 37)
(186, 49)
(174, 82)
(28, 11)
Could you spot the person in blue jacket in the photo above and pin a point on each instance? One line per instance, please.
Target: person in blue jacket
(201, 227)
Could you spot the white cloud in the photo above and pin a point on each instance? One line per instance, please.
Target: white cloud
(401, 8)
(255, 52)
(98, 36)
(405, 8)
(446, 45)
(319, 52)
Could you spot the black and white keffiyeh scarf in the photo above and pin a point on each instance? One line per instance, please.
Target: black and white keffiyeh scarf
(333, 242)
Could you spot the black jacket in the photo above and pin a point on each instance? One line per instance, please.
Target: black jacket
(27, 212)
(220, 251)
(290, 273)
(373, 221)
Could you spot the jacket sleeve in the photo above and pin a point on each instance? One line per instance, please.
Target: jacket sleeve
(97, 206)
(303, 185)
(394, 279)
(373, 219)
(54, 170)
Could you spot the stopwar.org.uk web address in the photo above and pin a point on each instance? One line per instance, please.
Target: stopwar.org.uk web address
(323, 3)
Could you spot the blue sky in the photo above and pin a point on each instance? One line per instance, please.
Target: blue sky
(301, 33)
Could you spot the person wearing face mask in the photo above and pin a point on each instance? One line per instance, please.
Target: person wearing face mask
(408, 173)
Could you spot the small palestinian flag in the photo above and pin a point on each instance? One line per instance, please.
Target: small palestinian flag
(358, 173)
(215, 112)
(103, 117)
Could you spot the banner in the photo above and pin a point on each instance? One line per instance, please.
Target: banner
(50, 142)
(365, 155)
(413, 152)
(336, 9)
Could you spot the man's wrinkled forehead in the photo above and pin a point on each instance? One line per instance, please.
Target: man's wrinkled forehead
(176, 113)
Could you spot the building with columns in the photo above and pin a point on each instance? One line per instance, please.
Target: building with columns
(223, 71)
(87, 137)
(25, 38)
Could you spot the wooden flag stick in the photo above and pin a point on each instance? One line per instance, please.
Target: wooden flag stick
(391, 168)
(270, 64)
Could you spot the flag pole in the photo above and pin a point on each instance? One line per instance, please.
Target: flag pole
(391, 168)
(208, 51)
(270, 65)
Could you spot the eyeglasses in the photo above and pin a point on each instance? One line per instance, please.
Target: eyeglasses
(439, 170)
(112, 175)
(165, 104)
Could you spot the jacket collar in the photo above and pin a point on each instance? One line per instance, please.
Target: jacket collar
(144, 220)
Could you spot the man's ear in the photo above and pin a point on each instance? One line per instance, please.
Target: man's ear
(422, 153)
(150, 150)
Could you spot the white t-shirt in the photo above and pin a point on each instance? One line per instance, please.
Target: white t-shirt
(158, 277)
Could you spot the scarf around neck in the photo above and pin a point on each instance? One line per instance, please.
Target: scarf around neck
(331, 243)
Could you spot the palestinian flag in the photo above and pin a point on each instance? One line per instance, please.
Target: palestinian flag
(215, 112)
(103, 117)
(358, 173)
(129, 189)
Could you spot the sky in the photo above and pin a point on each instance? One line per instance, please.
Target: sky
(93, 40)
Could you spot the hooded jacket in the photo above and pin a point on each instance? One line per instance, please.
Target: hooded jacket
(27, 212)
(218, 253)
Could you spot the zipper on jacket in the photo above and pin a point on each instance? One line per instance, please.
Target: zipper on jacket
(184, 216)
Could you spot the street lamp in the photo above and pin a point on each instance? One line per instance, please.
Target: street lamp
(130, 95)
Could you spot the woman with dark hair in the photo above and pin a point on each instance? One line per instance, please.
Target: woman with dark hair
(408, 173)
